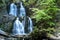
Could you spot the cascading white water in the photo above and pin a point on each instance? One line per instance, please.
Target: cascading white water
(22, 10)
(18, 28)
(30, 25)
(22, 13)
(13, 9)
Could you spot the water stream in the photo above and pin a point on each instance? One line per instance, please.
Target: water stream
(19, 26)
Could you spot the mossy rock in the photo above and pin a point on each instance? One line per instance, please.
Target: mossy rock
(7, 23)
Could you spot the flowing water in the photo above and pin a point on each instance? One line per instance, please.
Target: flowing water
(22, 13)
(30, 25)
(22, 10)
(19, 26)
(13, 9)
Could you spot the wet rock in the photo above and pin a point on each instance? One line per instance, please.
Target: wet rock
(0, 20)
(1, 38)
(2, 32)
(7, 18)
(6, 22)
(54, 37)
(8, 27)
(10, 38)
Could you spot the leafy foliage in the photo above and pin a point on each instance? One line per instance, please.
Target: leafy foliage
(45, 16)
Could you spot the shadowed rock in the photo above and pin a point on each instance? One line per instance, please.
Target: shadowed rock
(4, 34)
(7, 18)
(6, 22)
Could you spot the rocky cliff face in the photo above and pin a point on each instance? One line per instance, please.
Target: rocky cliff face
(6, 23)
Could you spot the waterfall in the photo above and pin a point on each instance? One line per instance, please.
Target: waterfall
(30, 25)
(13, 9)
(22, 11)
(18, 28)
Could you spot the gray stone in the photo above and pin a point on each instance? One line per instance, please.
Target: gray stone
(7, 18)
(6, 22)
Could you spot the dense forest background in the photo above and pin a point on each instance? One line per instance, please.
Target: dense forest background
(44, 13)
